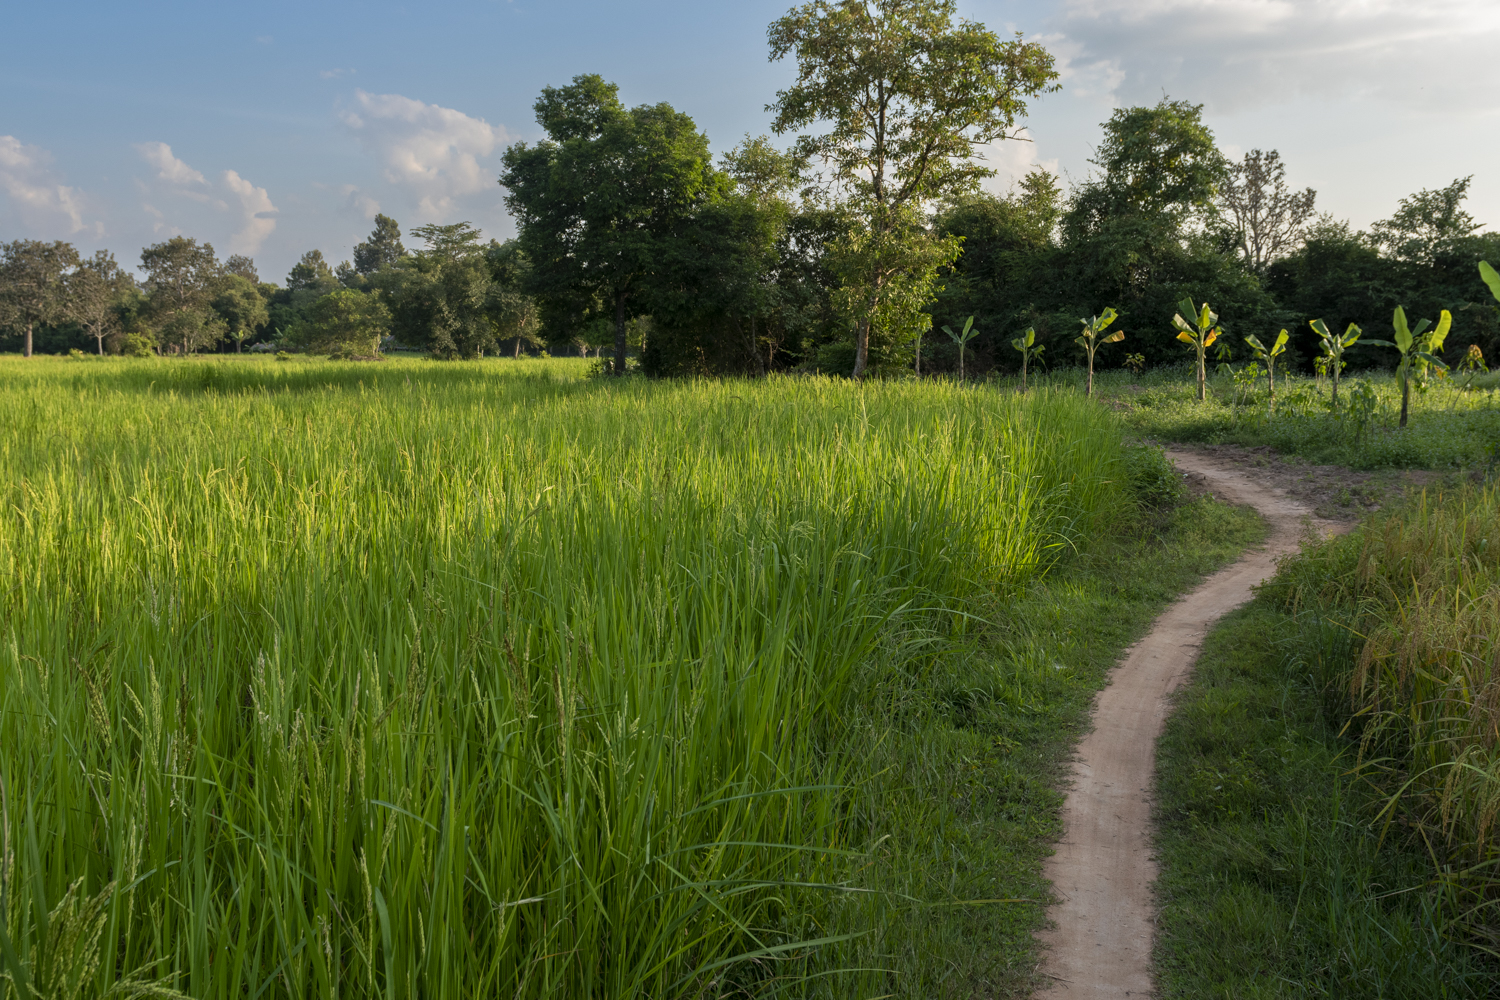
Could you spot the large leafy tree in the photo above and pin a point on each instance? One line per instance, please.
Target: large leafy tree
(32, 288)
(181, 277)
(910, 93)
(345, 323)
(97, 291)
(598, 201)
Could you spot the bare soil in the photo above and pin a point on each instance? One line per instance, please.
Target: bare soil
(1100, 941)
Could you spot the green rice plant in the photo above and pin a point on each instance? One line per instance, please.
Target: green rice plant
(1093, 337)
(1418, 593)
(1199, 334)
(328, 678)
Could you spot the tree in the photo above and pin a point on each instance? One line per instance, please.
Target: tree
(599, 200)
(311, 273)
(1425, 222)
(440, 296)
(243, 266)
(1417, 351)
(1334, 345)
(241, 307)
(910, 94)
(344, 323)
(95, 291)
(1269, 356)
(514, 312)
(1030, 350)
(1093, 337)
(181, 277)
(1268, 216)
(32, 287)
(382, 249)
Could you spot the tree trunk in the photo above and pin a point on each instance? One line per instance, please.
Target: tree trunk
(621, 347)
(1405, 395)
(1024, 359)
(518, 348)
(27, 352)
(1090, 392)
(1335, 367)
(861, 349)
(919, 355)
(1202, 377)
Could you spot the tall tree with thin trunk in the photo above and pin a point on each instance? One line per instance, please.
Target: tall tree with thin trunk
(911, 92)
(32, 288)
(181, 277)
(1269, 216)
(95, 291)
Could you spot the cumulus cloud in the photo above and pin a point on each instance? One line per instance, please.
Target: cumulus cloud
(233, 195)
(432, 150)
(1238, 54)
(27, 179)
(168, 167)
(357, 202)
(1013, 159)
(258, 215)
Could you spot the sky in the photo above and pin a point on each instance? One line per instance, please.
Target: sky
(271, 128)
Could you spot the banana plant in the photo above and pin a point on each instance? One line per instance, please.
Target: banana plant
(1024, 344)
(1093, 337)
(1269, 356)
(1417, 352)
(1333, 349)
(962, 340)
(1491, 277)
(1199, 335)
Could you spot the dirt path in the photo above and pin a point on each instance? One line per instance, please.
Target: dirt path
(1103, 869)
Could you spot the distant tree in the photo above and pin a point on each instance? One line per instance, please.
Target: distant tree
(382, 249)
(311, 273)
(96, 291)
(513, 311)
(32, 287)
(1268, 216)
(343, 323)
(243, 266)
(240, 305)
(440, 296)
(182, 275)
(911, 95)
(598, 201)
(1426, 223)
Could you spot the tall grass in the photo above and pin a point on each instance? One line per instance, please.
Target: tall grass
(1402, 620)
(455, 680)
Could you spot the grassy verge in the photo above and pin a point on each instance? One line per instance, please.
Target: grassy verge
(1326, 800)
(973, 745)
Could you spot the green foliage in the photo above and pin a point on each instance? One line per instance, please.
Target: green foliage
(32, 287)
(1491, 278)
(1199, 334)
(1159, 161)
(1030, 351)
(383, 248)
(1094, 335)
(1418, 352)
(240, 305)
(1269, 356)
(345, 323)
(941, 88)
(598, 201)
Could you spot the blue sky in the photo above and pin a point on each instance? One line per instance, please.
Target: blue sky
(272, 128)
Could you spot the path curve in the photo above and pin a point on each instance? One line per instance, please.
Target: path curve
(1104, 921)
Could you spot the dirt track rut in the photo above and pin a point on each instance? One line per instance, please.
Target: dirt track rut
(1100, 944)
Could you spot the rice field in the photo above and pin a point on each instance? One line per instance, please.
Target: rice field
(465, 679)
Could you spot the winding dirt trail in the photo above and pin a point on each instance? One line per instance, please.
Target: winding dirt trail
(1102, 872)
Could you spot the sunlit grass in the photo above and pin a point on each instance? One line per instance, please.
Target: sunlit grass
(458, 679)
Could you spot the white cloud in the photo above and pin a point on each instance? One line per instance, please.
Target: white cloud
(1237, 54)
(258, 214)
(232, 195)
(358, 202)
(1013, 159)
(168, 167)
(334, 74)
(432, 150)
(27, 178)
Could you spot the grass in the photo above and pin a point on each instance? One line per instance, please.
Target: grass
(1327, 785)
(1454, 423)
(452, 679)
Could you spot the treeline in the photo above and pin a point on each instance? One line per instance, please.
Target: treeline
(840, 254)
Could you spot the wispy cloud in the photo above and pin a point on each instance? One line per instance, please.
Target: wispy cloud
(431, 150)
(168, 167)
(41, 200)
(1238, 54)
(335, 74)
(258, 215)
